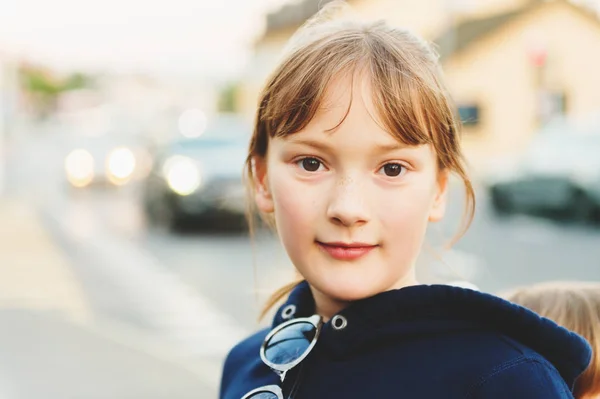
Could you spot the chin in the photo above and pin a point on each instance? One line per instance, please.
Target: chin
(348, 290)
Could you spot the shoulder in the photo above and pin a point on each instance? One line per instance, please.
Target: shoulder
(241, 355)
(488, 364)
(249, 346)
(523, 377)
(506, 368)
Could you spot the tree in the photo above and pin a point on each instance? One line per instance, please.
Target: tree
(228, 98)
(42, 87)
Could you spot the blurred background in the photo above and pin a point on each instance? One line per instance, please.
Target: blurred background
(126, 269)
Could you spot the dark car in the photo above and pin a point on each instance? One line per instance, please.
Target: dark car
(199, 180)
(559, 174)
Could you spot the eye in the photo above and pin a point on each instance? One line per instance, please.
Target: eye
(393, 169)
(309, 164)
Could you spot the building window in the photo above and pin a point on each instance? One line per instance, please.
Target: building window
(469, 114)
(551, 105)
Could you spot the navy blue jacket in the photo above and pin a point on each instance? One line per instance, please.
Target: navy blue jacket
(422, 342)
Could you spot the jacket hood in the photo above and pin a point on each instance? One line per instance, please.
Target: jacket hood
(417, 311)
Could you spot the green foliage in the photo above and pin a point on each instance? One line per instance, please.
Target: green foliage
(37, 80)
(76, 81)
(43, 88)
(228, 98)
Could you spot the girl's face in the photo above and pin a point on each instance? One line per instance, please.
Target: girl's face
(351, 205)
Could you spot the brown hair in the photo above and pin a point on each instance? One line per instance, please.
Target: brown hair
(575, 306)
(410, 99)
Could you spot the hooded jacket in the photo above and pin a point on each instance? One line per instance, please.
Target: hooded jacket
(426, 341)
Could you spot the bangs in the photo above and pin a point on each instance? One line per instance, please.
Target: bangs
(298, 87)
(409, 102)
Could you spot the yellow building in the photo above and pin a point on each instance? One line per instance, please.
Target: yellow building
(511, 71)
(509, 63)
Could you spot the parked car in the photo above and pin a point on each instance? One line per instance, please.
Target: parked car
(559, 173)
(199, 179)
(109, 159)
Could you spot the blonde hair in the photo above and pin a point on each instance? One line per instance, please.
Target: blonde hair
(409, 97)
(575, 306)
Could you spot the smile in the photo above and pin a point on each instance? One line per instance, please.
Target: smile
(346, 251)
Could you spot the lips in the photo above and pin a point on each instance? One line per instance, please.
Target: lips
(346, 251)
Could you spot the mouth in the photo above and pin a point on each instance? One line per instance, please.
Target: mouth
(346, 251)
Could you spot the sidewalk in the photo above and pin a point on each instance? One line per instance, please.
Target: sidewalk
(34, 273)
(51, 347)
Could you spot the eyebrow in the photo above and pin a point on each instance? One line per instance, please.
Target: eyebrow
(325, 147)
(310, 143)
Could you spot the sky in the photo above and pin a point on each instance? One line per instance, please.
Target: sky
(180, 37)
(166, 36)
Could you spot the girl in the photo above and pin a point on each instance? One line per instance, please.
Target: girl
(576, 306)
(354, 144)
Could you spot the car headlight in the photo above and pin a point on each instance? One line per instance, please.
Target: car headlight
(182, 175)
(79, 166)
(120, 164)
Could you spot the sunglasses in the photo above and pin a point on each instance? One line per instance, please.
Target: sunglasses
(284, 348)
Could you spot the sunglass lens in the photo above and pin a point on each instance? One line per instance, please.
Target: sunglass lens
(289, 344)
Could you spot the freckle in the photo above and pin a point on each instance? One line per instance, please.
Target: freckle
(345, 181)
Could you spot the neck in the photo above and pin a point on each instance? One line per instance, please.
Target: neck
(327, 307)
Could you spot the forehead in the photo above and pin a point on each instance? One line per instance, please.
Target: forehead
(347, 105)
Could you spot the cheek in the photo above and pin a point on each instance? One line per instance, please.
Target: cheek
(404, 217)
(412, 205)
(296, 209)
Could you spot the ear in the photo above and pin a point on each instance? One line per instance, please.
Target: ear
(438, 208)
(262, 194)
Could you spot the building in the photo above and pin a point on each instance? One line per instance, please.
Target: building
(8, 107)
(511, 72)
(8, 92)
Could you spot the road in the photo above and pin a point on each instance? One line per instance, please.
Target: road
(163, 308)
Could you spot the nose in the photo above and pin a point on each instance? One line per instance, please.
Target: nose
(347, 205)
